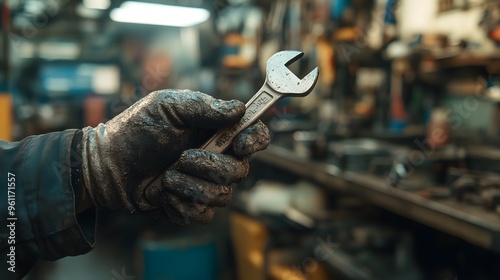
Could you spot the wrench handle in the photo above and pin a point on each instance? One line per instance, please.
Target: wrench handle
(256, 107)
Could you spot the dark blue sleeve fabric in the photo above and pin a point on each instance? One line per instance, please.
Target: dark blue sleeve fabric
(46, 225)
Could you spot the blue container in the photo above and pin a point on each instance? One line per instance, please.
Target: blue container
(185, 259)
(337, 8)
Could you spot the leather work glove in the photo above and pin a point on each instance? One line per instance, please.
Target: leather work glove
(124, 155)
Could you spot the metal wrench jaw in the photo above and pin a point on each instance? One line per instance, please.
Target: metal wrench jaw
(283, 81)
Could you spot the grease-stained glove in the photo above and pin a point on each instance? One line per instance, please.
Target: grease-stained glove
(124, 155)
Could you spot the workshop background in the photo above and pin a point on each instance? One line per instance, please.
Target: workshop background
(389, 169)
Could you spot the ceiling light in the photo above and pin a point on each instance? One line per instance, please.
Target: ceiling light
(97, 4)
(159, 14)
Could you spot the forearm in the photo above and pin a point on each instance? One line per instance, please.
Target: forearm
(46, 225)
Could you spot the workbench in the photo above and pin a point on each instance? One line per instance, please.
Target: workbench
(468, 222)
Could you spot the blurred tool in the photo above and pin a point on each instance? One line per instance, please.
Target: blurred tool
(399, 171)
(363, 155)
(475, 187)
(240, 23)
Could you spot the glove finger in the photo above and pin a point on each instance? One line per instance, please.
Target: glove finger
(251, 140)
(221, 169)
(199, 110)
(184, 212)
(191, 188)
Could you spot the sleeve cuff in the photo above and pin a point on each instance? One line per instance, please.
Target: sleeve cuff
(48, 225)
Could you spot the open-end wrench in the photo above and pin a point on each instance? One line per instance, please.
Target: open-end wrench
(280, 82)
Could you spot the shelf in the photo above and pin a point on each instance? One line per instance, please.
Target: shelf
(467, 60)
(470, 223)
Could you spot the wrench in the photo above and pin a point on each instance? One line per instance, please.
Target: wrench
(280, 82)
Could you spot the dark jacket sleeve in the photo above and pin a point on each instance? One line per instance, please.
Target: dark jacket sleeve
(37, 203)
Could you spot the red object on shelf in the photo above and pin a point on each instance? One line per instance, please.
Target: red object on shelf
(495, 34)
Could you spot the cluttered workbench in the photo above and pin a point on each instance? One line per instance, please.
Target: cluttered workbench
(468, 222)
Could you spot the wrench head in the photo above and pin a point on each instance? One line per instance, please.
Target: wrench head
(284, 81)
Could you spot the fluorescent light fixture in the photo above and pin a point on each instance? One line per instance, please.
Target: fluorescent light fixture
(97, 4)
(159, 14)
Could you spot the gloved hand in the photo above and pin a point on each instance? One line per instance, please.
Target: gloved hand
(123, 156)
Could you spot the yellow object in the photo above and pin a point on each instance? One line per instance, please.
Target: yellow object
(249, 238)
(326, 62)
(5, 117)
